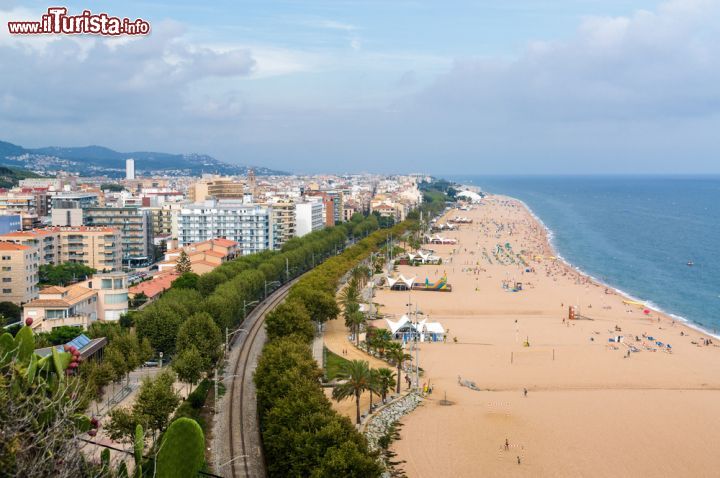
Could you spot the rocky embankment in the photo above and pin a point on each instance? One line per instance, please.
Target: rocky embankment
(379, 424)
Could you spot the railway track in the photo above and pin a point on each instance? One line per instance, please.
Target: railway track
(246, 465)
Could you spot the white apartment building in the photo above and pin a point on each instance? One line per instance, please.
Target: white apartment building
(248, 224)
(129, 169)
(309, 217)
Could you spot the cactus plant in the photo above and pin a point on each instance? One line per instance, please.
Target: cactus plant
(182, 451)
(138, 446)
(105, 460)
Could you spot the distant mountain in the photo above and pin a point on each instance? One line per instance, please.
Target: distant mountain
(102, 161)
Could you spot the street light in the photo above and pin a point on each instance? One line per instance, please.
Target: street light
(247, 304)
(271, 283)
(228, 335)
(227, 463)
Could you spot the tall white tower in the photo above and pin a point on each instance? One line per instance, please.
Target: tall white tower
(129, 169)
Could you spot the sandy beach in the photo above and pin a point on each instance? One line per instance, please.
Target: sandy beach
(593, 407)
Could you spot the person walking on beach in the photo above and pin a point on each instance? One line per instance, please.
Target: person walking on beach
(518, 459)
(507, 444)
(525, 392)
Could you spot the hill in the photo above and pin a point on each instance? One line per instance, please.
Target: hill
(9, 177)
(102, 161)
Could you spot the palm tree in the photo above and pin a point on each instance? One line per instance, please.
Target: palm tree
(382, 338)
(358, 275)
(386, 379)
(355, 378)
(396, 354)
(374, 386)
(350, 294)
(354, 321)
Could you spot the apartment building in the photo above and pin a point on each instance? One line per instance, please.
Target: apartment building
(164, 220)
(96, 247)
(250, 225)
(18, 202)
(44, 243)
(217, 187)
(309, 217)
(19, 266)
(284, 221)
(134, 225)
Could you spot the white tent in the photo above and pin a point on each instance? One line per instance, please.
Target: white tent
(401, 282)
(470, 196)
(395, 326)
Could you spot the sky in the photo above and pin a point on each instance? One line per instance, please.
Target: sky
(440, 87)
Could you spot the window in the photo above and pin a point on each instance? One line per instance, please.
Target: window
(116, 299)
(7, 291)
(107, 283)
(6, 258)
(7, 279)
(55, 314)
(6, 268)
(118, 283)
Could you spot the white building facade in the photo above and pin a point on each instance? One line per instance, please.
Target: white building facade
(250, 225)
(309, 217)
(129, 169)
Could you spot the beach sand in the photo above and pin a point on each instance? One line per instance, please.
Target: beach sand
(591, 410)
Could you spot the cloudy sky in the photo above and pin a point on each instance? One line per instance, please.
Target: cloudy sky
(485, 86)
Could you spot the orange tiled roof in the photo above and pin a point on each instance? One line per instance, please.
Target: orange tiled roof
(155, 286)
(9, 246)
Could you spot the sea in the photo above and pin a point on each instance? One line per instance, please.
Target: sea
(636, 234)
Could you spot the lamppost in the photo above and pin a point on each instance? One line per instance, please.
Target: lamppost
(248, 304)
(271, 283)
(161, 356)
(228, 335)
(215, 411)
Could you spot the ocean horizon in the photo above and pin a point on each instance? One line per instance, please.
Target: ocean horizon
(635, 233)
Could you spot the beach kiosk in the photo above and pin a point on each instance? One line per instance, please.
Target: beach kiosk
(400, 283)
(403, 329)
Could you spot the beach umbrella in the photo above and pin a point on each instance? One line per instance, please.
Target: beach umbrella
(646, 311)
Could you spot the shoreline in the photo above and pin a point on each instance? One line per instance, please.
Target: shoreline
(550, 236)
(589, 391)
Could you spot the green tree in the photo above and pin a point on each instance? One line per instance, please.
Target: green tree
(355, 378)
(183, 263)
(160, 326)
(354, 321)
(122, 424)
(156, 400)
(289, 318)
(189, 365)
(10, 312)
(138, 299)
(350, 294)
(63, 274)
(386, 381)
(62, 335)
(188, 280)
(347, 460)
(201, 332)
(320, 305)
(396, 354)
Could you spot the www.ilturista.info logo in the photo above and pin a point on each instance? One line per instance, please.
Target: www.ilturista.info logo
(57, 21)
